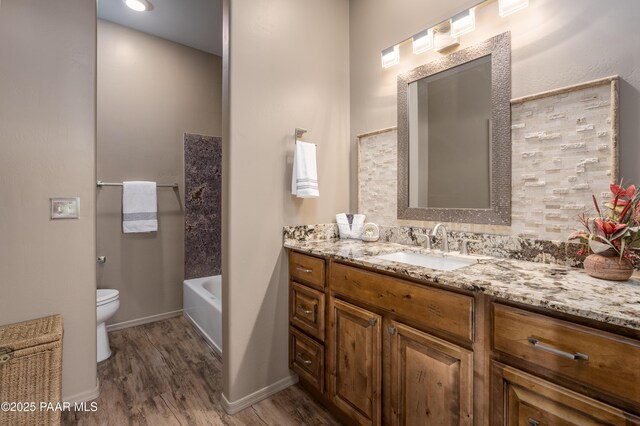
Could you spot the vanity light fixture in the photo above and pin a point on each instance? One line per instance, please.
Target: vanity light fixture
(463, 22)
(423, 41)
(507, 7)
(443, 35)
(390, 56)
(139, 5)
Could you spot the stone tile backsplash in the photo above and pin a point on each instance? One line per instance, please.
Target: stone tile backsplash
(564, 146)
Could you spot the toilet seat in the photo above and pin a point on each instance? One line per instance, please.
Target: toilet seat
(105, 296)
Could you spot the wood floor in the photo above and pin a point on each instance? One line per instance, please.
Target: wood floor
(165, 374)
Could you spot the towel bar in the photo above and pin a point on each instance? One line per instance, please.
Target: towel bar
(101, 184)
(299, 133)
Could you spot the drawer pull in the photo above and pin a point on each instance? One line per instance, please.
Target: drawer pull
(537, 345)
(303, 309)
(5, 355)
(304, 361)
(533, 422)
(305, 270)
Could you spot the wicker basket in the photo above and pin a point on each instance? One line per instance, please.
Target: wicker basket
(31, 370)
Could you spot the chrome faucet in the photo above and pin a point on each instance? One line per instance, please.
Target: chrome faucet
(445, 236)
(431, 238)
(427, 240)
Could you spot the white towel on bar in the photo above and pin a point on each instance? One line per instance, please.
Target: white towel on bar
(304, 180)
(139, 207)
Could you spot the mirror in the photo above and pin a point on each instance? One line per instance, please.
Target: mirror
(454, 137)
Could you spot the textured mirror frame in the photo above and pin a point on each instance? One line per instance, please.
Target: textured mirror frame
(499, 213)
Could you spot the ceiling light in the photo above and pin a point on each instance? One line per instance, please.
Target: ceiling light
(507, 7)
(423, 41)
(139, 5)
(390, 56)
(463, 23)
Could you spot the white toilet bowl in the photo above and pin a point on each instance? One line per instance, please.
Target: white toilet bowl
(107, 304)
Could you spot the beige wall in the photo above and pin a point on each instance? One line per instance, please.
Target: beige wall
(289, 67)
(47, 135)
(554, 44)
(150, 92)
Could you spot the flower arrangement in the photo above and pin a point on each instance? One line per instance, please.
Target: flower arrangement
(616, 230)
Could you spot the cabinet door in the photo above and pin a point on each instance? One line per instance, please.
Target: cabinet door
(355, 361)
(431, 379)
(520, 399)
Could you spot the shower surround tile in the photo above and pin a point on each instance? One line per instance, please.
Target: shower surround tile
(203, 203)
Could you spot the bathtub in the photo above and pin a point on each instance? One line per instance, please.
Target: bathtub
(203, 307)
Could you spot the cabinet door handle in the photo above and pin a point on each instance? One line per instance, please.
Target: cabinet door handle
(537, 345)
(533, 422)
(373, 321)
(305, 270)
(303, 309)
(392, 330)
(304, 361)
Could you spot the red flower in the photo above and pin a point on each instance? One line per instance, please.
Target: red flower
(617, 190)
(609, 228)
(631, 190)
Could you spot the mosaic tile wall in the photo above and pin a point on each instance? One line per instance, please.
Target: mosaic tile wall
(562, 154)
(378, 176)
(562, 146)
(203, 203)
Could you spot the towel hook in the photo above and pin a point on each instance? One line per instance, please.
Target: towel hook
(299, 133)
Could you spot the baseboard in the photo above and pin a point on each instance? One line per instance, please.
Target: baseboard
(204, 335)
(144, 320)
(86, 396)
(235, 407)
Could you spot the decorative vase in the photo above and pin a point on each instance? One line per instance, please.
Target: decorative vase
(608, 267)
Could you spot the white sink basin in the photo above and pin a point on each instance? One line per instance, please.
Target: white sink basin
(440, 262)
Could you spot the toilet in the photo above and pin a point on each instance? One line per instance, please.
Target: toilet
(107, 303)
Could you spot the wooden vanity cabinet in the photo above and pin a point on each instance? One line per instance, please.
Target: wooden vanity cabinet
(307, 319)
(382, 350)
(431, 380)
(424, 379)
(355, 361)
(521, 399)
(584, 362)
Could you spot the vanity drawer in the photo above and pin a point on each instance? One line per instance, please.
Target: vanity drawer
(306, 309)
(432, 308)
(595, 358)
(306, 358)
(306, 269)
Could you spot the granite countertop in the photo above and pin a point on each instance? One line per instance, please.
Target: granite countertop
(559, 288)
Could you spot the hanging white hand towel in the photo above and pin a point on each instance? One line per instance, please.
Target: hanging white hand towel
(304, 180)
(139, 207)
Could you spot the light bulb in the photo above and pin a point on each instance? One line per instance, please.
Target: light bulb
(138, 5)
(390, 56)
(463, 23)
(423, 41)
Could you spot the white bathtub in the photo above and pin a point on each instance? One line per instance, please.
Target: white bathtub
(203, 307)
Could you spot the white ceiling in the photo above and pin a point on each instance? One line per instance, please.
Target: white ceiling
(194, 23)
